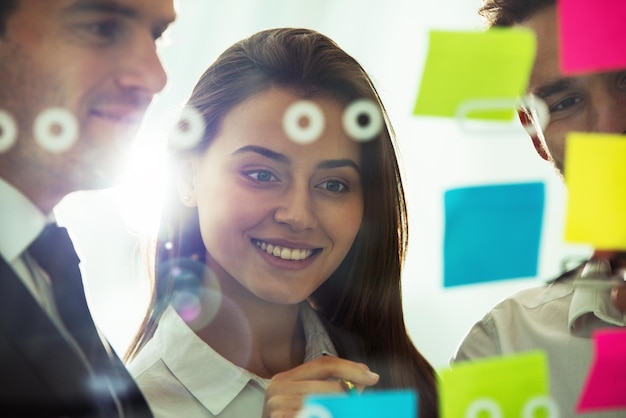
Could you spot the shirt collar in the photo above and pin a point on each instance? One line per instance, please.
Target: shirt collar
(20, 223)
(592, 308)
(183, 350)
(318, 341)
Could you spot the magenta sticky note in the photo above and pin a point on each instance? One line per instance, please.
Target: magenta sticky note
(592, 35)
(605, 388)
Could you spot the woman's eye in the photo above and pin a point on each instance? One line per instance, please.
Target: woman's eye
(262, 176)
(333, 186)
(565, 104)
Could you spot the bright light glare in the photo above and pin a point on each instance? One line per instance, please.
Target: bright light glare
(142, 185)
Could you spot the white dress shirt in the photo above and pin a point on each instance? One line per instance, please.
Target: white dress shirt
(21, 222)
(558, 319)
(181, 376)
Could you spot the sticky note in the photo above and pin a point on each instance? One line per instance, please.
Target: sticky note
(595, 169)
(605, 387)
(375, 404)
(492, 232)
(591, 35)
(506, 386)
(483, 66)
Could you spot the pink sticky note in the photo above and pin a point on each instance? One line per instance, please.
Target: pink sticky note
(605, 387)
(592, 35)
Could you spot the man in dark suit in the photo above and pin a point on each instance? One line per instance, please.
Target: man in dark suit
(75, 79)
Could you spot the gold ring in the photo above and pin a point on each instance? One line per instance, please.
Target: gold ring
(348, 386)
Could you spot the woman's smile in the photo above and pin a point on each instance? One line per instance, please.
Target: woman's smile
(283, 252)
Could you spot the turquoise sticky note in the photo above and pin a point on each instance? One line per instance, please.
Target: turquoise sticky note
(605, 387)
(591, 35)
(374, 404)
(475, 67)
(506, 386)
(492, 232)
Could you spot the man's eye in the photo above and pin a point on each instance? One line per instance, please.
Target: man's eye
(262, 176)
(333, 186)
(109, 30)
(621, 81)
(565, 104)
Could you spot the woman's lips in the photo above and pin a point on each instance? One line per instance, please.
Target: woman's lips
(284, 252)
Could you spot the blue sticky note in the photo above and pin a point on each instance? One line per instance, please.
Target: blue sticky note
(376, 404)
(492, 232)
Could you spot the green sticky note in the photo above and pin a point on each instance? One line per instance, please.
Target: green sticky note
(485, 70)
(595, 169)
(507, 386)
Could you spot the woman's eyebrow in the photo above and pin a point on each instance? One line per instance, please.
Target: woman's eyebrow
(282, 158)
(343, 162)
(265, 152)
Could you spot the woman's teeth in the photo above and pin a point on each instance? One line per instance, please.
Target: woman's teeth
(284, 252)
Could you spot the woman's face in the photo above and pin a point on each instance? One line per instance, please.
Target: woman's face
(277, 217)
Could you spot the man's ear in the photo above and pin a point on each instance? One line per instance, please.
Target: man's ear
(528, 125)
(185, 182)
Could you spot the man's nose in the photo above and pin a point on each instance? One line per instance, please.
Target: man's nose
(141, 69)
(610, 111)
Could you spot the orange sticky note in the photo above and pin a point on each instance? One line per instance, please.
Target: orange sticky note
(595, 169)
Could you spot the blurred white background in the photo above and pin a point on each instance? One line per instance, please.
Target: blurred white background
(389, 39)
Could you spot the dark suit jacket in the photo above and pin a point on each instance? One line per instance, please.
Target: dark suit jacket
(42, 375)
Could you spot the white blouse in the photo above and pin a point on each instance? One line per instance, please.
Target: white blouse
(181, 376)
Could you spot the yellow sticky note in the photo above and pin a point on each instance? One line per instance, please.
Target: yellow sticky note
(506, 386)
(476, 68)
(595, 169)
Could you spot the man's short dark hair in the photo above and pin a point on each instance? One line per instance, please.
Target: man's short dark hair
(511, 12)
(7, 7)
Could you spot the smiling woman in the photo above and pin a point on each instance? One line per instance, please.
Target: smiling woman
(272, 253)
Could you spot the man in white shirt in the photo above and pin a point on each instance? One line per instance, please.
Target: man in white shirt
(77, 76)
(558, 318)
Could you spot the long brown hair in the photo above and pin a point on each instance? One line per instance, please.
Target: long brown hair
(511, 12)
(363, 296)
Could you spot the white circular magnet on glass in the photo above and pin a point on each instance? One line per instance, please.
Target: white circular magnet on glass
(56, 130)
(362, 120)
(189, 129)
(303, 122)
(8, 131)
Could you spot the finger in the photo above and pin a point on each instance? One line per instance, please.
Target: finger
(329, 367)
(618, 297)
(285, 397)
(277, 388)
(284, 405)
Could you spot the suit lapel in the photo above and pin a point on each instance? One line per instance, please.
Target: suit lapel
(41, 366)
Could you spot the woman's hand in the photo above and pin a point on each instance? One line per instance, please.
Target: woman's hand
(286, 391)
